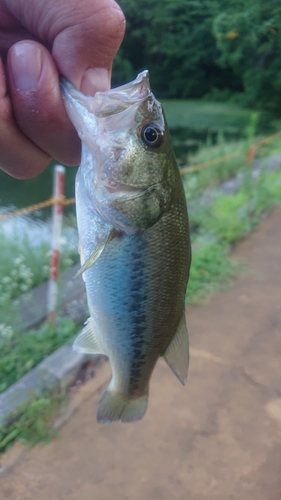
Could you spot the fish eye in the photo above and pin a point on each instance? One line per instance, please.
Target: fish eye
(151, 135)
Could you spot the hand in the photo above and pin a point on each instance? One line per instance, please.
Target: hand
(40, 39)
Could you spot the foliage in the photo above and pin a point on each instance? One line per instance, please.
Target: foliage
(248, 34)
(233, 156)
(219, 221)
(229, 217)
(20, 352)
(24, 266)
(232, 217)
(210, 269)
(33, 423)
(222, 49)
(174, 39)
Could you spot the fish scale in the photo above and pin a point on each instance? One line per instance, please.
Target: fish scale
(134, 239)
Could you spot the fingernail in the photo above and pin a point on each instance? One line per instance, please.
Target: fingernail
(26, 64)
(95, 80)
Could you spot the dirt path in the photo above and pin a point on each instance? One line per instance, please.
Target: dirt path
(218, 438)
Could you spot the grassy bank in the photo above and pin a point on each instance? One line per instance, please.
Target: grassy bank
(218, 221)
(19, 354)
(34, 422)
(22, 352)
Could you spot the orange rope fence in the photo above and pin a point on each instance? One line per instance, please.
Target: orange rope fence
(234, 154)
(186, 170)
(38, 206)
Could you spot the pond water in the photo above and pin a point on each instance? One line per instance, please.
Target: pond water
(16, 194)
(22, 193)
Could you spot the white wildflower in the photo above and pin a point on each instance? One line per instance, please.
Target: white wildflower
(23, 287)
(19, 260)
(6, 331)
(63, 241)
(67, 261)
(6, 280)
(45, 270)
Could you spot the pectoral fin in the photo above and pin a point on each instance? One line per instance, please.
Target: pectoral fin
(96, 253)
(177, 352)
(87, 341)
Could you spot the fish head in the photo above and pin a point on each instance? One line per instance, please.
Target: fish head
(127, 152)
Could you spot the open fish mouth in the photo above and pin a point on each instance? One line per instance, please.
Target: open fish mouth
(113, 101)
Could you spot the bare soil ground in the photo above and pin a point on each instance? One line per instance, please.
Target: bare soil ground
(217, 438)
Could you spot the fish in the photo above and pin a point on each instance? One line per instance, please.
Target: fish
(134, 241)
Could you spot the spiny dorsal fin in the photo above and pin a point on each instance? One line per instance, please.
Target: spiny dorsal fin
(177, 352)
(87, 341)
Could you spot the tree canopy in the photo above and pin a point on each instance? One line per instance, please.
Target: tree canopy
(194, 46)
(250, 42)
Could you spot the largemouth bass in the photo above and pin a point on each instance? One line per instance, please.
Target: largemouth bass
(134, 241)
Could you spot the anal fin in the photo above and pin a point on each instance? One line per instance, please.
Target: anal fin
(87, 341)
(177, 352)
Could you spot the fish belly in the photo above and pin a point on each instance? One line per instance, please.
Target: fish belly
(136, 293)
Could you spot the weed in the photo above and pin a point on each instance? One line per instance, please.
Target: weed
(210, 270)
(24, 266)
(213, 175)
(229, 218)
(33, 422)
(20, 352)
(223, 222)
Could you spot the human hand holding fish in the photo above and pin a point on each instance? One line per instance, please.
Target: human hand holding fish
(40, 39)
(134, 241)
(131, 208)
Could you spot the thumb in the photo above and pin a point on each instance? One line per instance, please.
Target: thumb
(84, 50)
(83, 36)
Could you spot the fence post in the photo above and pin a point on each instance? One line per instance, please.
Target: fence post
(251, 154)
(58, 192)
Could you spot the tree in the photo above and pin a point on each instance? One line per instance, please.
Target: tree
(248, 34)
(174, 40)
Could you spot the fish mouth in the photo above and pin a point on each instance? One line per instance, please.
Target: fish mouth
(124, 188)
(128, 193)
(108, 103)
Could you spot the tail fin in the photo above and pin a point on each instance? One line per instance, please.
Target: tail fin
(114, 406)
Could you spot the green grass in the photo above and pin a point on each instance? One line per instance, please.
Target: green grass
(210, 270)
(33, 421)
(230, 218)
(20, 352)
(199, 114)
(215, 228)
(209, 177)
(23, 267)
